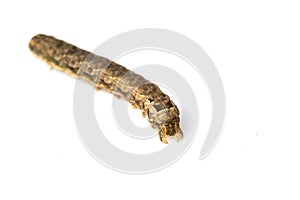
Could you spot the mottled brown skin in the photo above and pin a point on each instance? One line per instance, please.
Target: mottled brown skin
(102, 73)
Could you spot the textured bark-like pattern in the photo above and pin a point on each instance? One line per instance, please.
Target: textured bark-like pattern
(103, 73)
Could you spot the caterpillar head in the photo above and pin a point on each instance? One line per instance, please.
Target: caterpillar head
(169, 132)
(164, 117)
(169, 128)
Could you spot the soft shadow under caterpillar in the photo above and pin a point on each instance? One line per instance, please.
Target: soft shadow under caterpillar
(102, 73)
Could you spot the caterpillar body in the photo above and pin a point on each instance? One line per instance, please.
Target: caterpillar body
(102, 73)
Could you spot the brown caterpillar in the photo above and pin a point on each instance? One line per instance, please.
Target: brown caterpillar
(102, 73)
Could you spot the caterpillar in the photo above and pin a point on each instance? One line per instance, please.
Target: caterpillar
(102, 73)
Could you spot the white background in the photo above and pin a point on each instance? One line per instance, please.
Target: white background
(255, 46)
